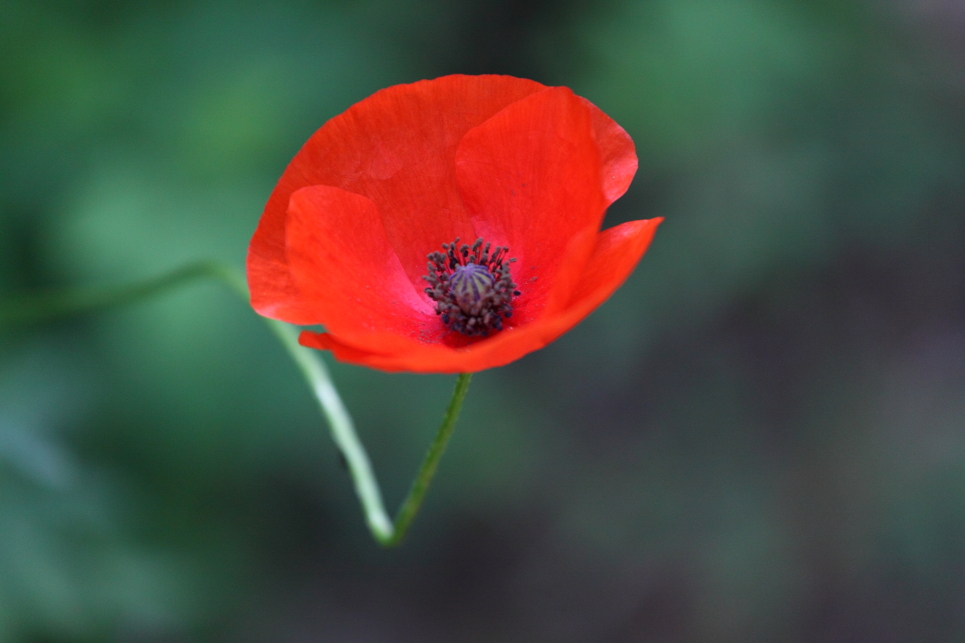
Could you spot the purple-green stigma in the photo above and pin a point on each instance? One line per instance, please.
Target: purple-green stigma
(472, 287)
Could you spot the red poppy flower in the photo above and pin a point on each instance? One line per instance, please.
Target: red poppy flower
(374, 194)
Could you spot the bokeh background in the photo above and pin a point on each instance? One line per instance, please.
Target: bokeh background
(761, 437)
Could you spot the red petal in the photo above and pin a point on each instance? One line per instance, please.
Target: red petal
(617, 152)
(348, 275)
(617, 251)
(530, 178)
(397, 148)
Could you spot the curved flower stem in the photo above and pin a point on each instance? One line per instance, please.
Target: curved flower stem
(50, 306)
(410, 507)
(53, 305)
(341, 427)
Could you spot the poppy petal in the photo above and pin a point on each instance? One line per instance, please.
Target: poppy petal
(397, 148)
(617, 153)
(616, 253)
(578, 250)
(348, 274)
(530, 179)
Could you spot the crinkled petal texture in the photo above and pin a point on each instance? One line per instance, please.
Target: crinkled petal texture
(344, 236)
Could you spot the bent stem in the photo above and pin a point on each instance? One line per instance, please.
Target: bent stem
(410, 506)
(57, 304)
(386, 532)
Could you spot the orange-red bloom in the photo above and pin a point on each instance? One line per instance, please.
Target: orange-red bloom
(345, 236)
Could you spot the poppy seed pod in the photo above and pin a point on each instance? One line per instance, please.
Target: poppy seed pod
(522, 173)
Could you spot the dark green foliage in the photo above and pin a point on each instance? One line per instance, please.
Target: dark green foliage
(761, 437)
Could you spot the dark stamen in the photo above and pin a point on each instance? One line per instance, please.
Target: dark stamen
(472, 288)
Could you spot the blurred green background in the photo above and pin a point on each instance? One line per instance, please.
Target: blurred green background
(761, 437)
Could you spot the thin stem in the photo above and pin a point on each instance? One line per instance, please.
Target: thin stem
(60, 304)
(342, 429)
(53, 305)
(410, 506)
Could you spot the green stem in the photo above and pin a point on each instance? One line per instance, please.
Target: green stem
(389, 534)
(53, 305)
(342, 429)
(410, 506)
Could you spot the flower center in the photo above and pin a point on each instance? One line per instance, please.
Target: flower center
(472, 287)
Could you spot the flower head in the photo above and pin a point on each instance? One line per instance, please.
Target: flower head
(362, 233)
